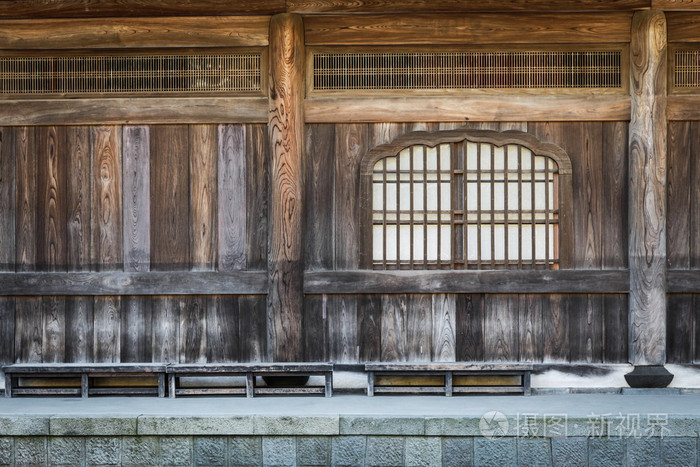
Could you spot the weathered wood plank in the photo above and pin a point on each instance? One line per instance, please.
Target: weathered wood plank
(614, 195)
(222, 337)
(253, 328)
(692, 148)
(419, 328)
(169, 198)
(7, 199)
(137, 201)
(648, 151)
(555, 328)
(79, 187)
(320, 189)
(342, 328)
(166, 329)
(394, 328)
(285, 299)
(469, 324)
(587, 178)
(7, 331)
(616, 311)
(74, 33)
(531, 327)
(497, 107)
(688, 5)
(136, 330)
(107, 238)
(679, 195)
(444, 347)
(458, 6)
(479, 28)
(369, 327)
(54, 330)
(118, 111)
(25, 213)
(683, 107)
(350, 148)
(585, 328)
(107, 329)
(79, 329)
(680, 328)
(683, 27)
(316, 328)
(501, 328)
(28, 331)
(203, 154)
(232, 224)
(193, 330)
(696, 323)
(51, 226)
(257, 194)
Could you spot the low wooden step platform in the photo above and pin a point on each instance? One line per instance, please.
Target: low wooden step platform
(84, 379)
(286, 384)
(448, 378)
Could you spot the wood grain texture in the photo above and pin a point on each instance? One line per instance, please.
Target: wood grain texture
(107, 238)
(79, 189)
(136, 330)
(680, 328)
(193, 330)
(134, 32)
(7, 331)
(79, 329)
(170, 238)
(315, 328)
(320, 190)
(555, 329)
(253, 328)
(444, 348)
(222, 329)
(419, 328)
(683, 107)
(137, 201)
(285, 299)
(7, 199)
(501, 328)
(203, 152)
(166, 329)
(692, 148)
(668, 5)
(679, 195)
(107, 329)
(480, 107)
(585, 328)
(614, 195)
(28, 331)
(531, 327)
(394, 328)
(54, 330)
(118, 111)
(457, 6)
(647, 241)
(52, 190)
(696, 329)
(232, 196)
(25, 213)
(476, 28)
(615, 328)
(369, 327)
(683, 27)
(342, 328)
(469, 323)
(257, 194)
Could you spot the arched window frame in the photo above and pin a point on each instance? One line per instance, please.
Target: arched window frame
(496, 138)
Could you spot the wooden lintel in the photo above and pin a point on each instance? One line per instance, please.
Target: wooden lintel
(683, 281)
(285, 299)
(683, 107)
(684, 26)
(496, 107)
(647, 189)
(478, 28)
(675, 5)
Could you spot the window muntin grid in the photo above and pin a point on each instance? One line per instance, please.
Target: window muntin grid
(465, 206)
(686, 69)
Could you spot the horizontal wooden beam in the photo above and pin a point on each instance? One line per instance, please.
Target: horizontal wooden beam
(388, 282)
(683, 281)
(678, 5)
(513, 28)
(131, 283)
(683, 27)
(133, 111)
(683, 107)
(224, 31)
(497, 107)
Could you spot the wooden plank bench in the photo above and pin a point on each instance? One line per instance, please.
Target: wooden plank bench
(84, 379)
(250, 371)
(448, 378)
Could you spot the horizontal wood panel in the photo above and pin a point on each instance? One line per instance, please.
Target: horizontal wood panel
(133, 111)
(126, 283)
(683, 281)
(683, 107)
(683, 27)
(390, 282)
(228, 31)
(473, 29)
(502, 107)
(687, 5)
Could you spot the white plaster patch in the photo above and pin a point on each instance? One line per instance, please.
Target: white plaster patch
(613, 378)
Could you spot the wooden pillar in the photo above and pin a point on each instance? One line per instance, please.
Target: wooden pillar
(647, 196)
(285, 298)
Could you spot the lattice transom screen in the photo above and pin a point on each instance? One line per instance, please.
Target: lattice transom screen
(466, 70)
(686, 69)
(465, 206)
(131, 74)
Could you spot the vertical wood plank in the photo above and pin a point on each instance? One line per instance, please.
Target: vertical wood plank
(193, 330)
(7, 199)
(170, 236)
(252, 328)
(107, 329)
(696, 328)
(648, 151)
(51, 198)
(351, 146)
(501, 327)
(166, 329)
(419, 328)
(285, 299)
(315, 328)
(679, 191)
(585, 328)
(369, 326)
(7, 330)
(680, 328)
(394, 328)
(232, 223)
(257, 194)
(531, 329)
(469, 324)
(555, 333)
(342, 328)
(107, 238)
(25, 237)
(691, 148)
(136, 330)
(79, 182)
(79, 329)
(616, 310)
(203, 151)
(54, 329)
(320, 191)
(137, 202)
(28, 330)
(444, 348)
(222, 329)
(614, 195)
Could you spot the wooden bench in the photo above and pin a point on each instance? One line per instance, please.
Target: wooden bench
(289, 371)
(448, 378)
(85, 379)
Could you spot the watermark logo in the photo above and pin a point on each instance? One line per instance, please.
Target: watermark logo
(493, 425)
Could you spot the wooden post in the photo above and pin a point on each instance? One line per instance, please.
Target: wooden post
(647, 199)
(285, 298)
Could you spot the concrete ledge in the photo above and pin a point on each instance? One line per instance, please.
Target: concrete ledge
(377, 425)
(187, 425)
(24, 426)
(92, 426)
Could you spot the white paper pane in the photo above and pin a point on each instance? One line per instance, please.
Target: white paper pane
(405, 159)
(551, 196)
(513, 243)
(417, 158)
(418, 197)
(485, 196)
(445, 197)
(377, 243)
(499, 196)
(405, 247)
(485, 156)
(432, 253)
(526, 198)
(512, 158)
(552, 164)
(471, 156)
(391, 196)
(527, 243)
(472, 197)
(444, 157)
(405, 196)
(418, 236)
(486, 243)
(499, 242)
(552, 228)
(445, 243)
(525, 159)
(539, 162)
(431, 158)
(540, 200)
(377, 197)
(499, 158)
(432, 196)
(540, 241)
(390, 164)
(391, 242)
(513, 199)
(472, 245)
